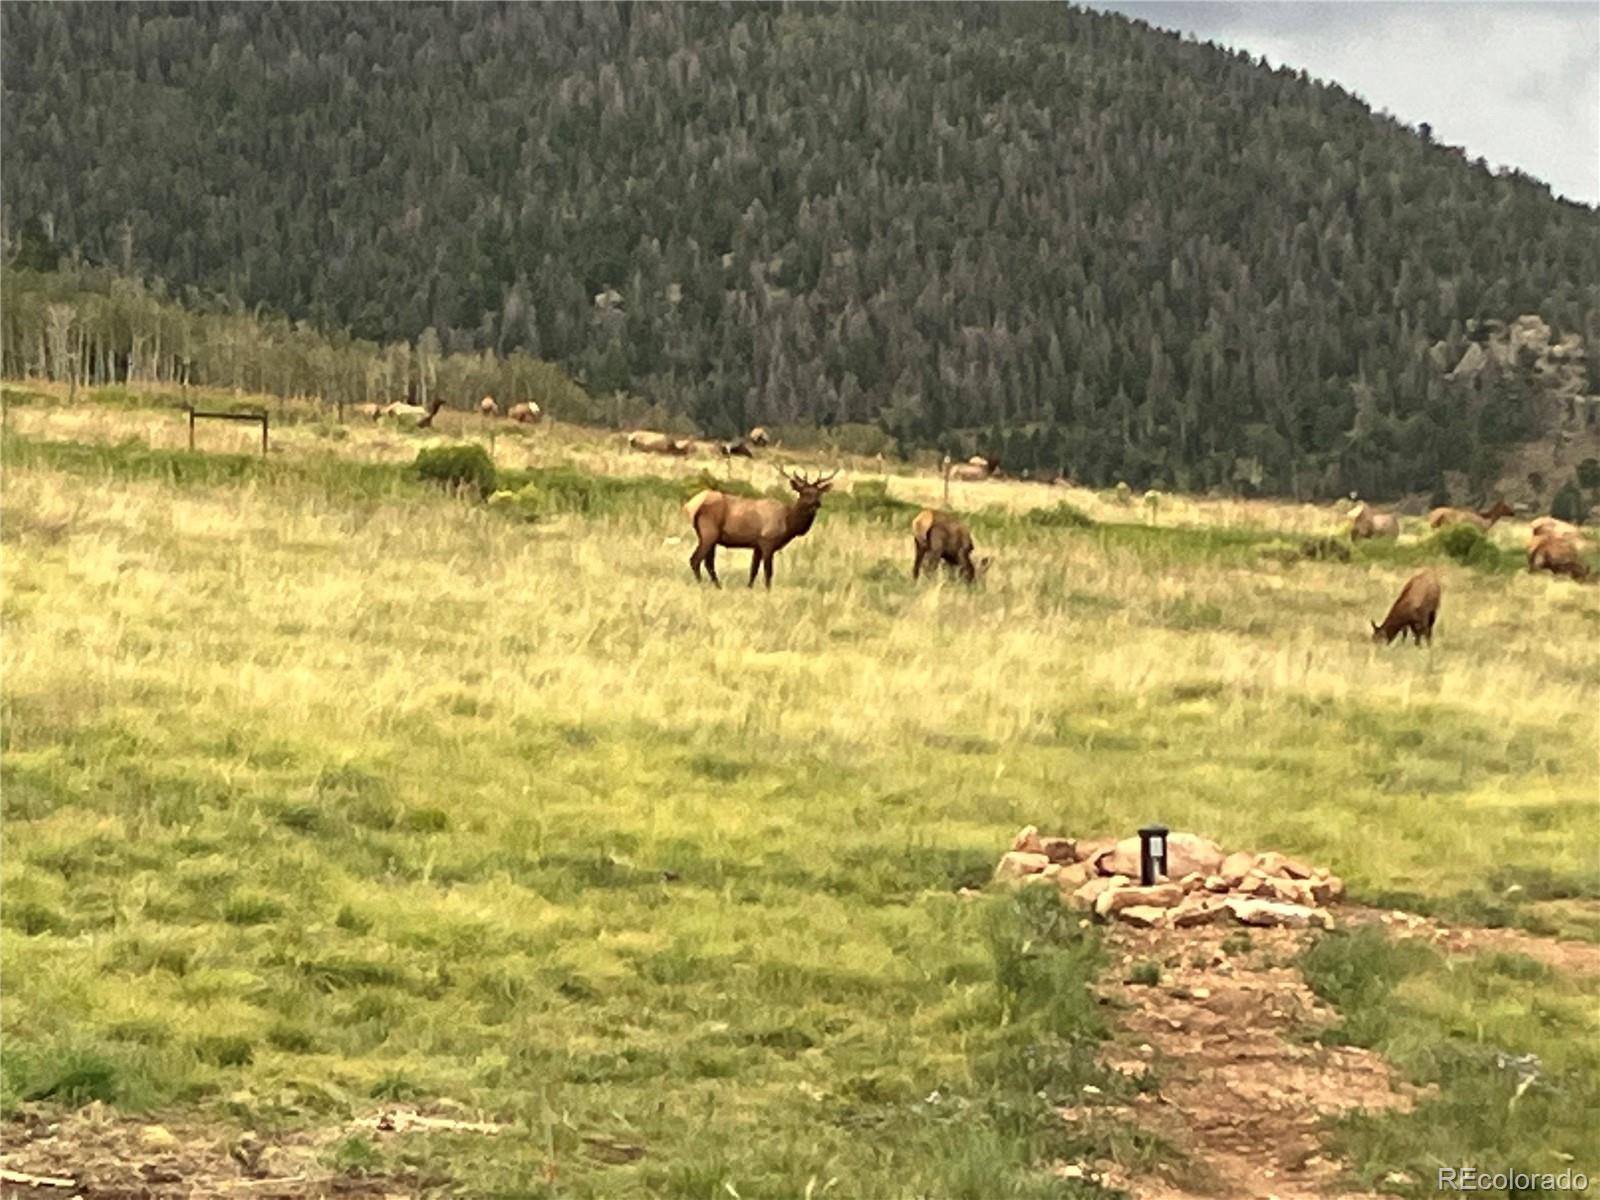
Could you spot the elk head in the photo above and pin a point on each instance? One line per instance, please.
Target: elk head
(809, 490)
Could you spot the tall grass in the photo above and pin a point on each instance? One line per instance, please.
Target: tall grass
(318, 793)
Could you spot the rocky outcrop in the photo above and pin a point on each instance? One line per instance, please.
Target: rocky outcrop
(1204, 883)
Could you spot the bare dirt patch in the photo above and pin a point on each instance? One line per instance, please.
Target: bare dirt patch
(97, 1154)
(1238, 1086)
(1569, 957)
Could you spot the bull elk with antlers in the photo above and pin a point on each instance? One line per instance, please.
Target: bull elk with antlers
(762, 526)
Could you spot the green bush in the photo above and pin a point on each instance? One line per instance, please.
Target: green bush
(463, 466)
(1325, 549)
(1568, 504)
(1589, 474)
(1060, 516)
(870, 498)
(1466, 544)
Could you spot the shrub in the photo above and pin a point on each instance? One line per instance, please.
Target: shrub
(870, 498)
(1568, 504)
(1466, 544)
(1059, 516)
(459, 467)
(1325, 549)
(1589, 474)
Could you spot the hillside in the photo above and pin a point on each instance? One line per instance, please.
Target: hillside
(1062, 237)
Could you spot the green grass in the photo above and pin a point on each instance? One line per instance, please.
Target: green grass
(1465, 1028)
(322, 787)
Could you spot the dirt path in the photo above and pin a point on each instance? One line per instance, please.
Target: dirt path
(1240, 1091)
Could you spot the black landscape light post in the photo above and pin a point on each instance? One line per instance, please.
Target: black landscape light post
(1152, 853)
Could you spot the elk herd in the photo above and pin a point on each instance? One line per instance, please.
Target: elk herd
(764, 525)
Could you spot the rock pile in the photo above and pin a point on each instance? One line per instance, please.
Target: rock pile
(1204, 883)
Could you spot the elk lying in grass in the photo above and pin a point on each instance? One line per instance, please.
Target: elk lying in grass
(526, 413)
(974, 470)
(488, 407)
(1558, 555)
(939, 537)
(1366, 523)
(659, 443)
(1440, 517)
(1414, 611)
(762, 526)
(758, 436)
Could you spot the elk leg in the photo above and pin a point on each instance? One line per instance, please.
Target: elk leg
(766, 567)
(916, 565)
(711, 564)
(755, 565)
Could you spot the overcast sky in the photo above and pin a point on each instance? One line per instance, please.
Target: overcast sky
(1514, 81)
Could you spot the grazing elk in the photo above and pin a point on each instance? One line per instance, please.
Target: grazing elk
(659, 443)
(1441, 517)
(488, 407)
(1555, 527)
(1365, 523)
(525, 413)
(743, 448)
(1558, 555)
(400, 409)
(762, 526)
(940, 538)
(1414, 611)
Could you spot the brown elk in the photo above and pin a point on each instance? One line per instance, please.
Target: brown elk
(1414, 611)
(488, 407)
(762, 526)
(1441, 517)
(426, 421)
(525, 413)
(974, 470)
(940, 538)
(659, 443)
(743, 448)
(758, 436)
(1555, 527)
(1365, 523)
(1559, 556)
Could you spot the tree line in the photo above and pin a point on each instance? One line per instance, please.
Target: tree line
(1055, 236)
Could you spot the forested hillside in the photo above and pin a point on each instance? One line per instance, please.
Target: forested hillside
(1054, 235)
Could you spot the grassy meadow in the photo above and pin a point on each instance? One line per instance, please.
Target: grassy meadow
(324, 788)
